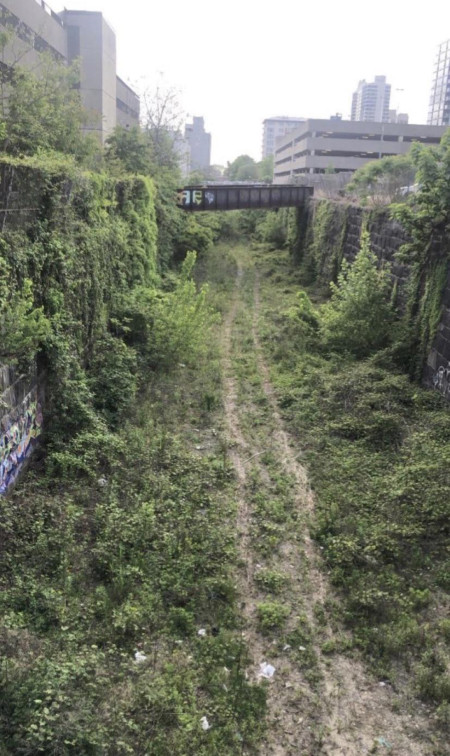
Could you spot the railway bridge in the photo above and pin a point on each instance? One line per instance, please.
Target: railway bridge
(242, 196)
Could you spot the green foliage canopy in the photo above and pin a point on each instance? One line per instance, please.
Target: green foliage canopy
(381, 181)
(23, 327)
(44, 111)
(245, 168)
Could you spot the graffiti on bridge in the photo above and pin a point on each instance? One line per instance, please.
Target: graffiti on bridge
(187, 197)
(18, 433)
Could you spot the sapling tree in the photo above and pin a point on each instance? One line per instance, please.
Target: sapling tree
(358, 316)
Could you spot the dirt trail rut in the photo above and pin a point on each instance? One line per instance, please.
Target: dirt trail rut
(341, 710)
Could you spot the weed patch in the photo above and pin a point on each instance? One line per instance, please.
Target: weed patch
(378, 457)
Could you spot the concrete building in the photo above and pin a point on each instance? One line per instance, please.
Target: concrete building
(183, 152)
(127, 105)
(199, 144)
(395, 117)
(321, 145)
(68, 36)
(439, 110)
(276, 127)
(370, 102)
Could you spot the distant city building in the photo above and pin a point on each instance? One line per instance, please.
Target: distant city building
(439, 110)
(68, 36)
(370, 102)
(274, 128)
(336, 117)
(183, 152)
(395, 117)
(199, 142)
(321, 145)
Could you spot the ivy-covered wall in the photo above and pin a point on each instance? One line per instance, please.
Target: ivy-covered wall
(331, 232)
(74, 245)
(334, 233)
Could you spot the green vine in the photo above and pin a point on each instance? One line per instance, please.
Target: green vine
(75, 243)
(323, 241)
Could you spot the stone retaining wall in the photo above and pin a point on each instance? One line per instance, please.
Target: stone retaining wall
(386, 238)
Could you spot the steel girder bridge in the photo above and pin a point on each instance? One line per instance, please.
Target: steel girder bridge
(242, 196)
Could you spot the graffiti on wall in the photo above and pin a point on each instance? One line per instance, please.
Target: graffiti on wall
(18, 433)
(441, 380)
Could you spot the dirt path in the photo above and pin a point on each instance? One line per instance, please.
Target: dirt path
(318, 703)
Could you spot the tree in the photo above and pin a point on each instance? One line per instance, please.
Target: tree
(241, 169)
(244, 168)
(426, 218)
(131, 149)
(265, 168)
(358, 317)
(44, 111)
(381, 181)
(162, 123)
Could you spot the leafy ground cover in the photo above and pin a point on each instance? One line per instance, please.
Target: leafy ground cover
(322, 698)
(120, 548)
(377, 450)
(132, 551)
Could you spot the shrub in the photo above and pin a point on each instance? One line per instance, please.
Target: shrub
(113, 382)
(271, 616)
(22, 326)
(168, 327)
(271, 580)
(273, 229)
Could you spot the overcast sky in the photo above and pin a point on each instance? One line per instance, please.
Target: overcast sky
(237, 62)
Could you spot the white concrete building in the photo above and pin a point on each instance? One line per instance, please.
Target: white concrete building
(276, 127)
(371, 100)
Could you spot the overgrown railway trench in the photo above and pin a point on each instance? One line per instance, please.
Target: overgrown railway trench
(318, 702)
(162, 588)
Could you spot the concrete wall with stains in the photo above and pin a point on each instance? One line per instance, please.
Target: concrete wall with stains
(21, 401)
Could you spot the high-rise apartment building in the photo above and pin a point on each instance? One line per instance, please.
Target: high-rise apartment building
(33, 28)
(439, 110)
(370, 102)
(273, 128)
(199, 143)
